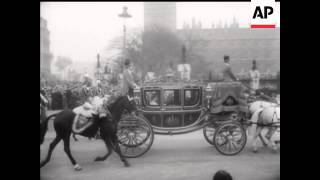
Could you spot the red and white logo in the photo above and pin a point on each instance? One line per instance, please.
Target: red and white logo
(263, 14)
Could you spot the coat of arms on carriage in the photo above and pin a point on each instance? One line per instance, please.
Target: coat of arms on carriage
(230, 101)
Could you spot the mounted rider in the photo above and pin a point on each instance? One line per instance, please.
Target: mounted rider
(92, 104)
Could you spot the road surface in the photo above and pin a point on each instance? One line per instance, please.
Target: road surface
(185, 157)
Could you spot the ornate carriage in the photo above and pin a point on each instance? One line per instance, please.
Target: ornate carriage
(180, 107)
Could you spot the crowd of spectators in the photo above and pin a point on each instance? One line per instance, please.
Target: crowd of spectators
(70, 94)
(61, 94)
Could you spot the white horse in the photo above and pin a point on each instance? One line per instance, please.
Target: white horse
(264, 115)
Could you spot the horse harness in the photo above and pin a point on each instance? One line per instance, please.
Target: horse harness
(83, 118)
(273, 122)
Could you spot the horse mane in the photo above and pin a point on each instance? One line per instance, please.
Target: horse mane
(116, 108)
(115, 104)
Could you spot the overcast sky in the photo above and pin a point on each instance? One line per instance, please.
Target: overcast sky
(81, 30)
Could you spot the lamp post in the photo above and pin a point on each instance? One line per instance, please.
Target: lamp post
(124, 15)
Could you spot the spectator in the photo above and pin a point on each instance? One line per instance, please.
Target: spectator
(222, 175)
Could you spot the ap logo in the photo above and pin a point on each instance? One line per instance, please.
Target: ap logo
(263, 14)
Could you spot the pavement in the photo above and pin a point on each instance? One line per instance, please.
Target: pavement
(186, 156)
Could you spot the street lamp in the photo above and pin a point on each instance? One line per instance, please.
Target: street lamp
(124, 15)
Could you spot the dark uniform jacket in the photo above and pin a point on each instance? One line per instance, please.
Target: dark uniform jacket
(227, 73)
(128, 83)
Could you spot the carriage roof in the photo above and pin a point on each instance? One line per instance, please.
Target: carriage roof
(173, 84)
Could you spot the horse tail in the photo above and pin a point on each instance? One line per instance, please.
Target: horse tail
(44, 127)
(51, 116)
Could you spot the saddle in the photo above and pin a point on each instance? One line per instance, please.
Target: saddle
(83, 118)
(84, 113)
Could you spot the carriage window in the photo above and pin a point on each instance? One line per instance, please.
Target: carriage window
(191, 97)
(172, 97)
(152, 97)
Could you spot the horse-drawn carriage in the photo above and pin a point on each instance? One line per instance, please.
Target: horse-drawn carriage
(168, 108)
(220, 109)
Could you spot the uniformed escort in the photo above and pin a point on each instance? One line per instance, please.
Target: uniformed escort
(227, 71)
(128, 84)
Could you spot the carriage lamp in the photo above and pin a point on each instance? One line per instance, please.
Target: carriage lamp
(208, 95)
(136, 96)
(208, 91)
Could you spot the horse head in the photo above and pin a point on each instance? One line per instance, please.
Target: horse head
(122, 103)
(114, 110)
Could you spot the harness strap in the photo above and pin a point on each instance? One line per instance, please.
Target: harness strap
(75, 129)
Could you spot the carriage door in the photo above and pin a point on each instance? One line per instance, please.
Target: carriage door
(192, 103)
(151, 99)
(172, 108)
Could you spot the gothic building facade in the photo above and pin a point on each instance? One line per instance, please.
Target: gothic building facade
(242, 44)
(161, 14)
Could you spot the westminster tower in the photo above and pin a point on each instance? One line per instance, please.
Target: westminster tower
(160, 14)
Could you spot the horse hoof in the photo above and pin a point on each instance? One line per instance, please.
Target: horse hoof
(77, 167)
(255, 150)
(42, 164)
(98, 159)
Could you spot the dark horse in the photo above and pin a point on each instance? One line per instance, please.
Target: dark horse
(107, 126)
(43, 117)
(43, 125)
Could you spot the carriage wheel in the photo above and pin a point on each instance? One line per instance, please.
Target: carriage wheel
(208, 132)
(230, 138)
(135, 136)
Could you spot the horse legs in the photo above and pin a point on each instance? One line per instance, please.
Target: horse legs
(118, 151)
(66, 142)
(254, 140)
(109, 147)
(269, 135)
(74, 137)
(262, 140)
(51, 147)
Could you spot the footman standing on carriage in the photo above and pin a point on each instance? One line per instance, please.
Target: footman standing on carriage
(128, 84)
(227, 71)
(255, 77)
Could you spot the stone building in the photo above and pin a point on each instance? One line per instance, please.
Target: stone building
(241, 44)
(45, 54)
(160, 14)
